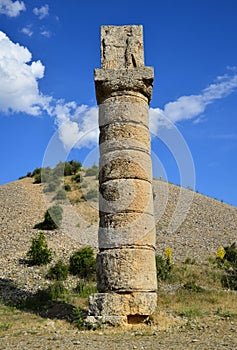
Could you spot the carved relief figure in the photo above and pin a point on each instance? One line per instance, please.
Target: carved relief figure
(122, 51)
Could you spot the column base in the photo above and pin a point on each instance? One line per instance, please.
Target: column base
(119, 309)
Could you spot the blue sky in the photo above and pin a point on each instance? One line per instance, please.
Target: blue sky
(49, 49)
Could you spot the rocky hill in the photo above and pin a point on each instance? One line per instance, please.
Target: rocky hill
(192, 224)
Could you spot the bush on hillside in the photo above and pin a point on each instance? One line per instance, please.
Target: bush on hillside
(227, 258)
(58, 272)
(37, 178)
(39, 253)
(82, 263)
(163, 268)
(92, 194)
(67, 168)
(51, 187)
(61, 195)
(52, 219)
(94, 171)
(67, 187)
(77, 178)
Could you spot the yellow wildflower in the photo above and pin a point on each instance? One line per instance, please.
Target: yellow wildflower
(168, 254)
(220, 253)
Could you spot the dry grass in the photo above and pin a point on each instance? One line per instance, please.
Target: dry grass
(192, 293)
(196, 293)
(87, 209)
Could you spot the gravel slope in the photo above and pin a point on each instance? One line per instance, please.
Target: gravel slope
(208, 224)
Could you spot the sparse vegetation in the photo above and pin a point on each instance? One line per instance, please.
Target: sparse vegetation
(164, 265)
(94, 171)
(199, 292)
(226, 258)
(58, 272)
(51, 187)
(77, 178)
(52, 219)
(50, 175)
(92, 194)
(79, 317)
(39, 253)
(36, 174)
(61, 195)
(67, 187)
(82, 263)
(56, 290)
(84, 289)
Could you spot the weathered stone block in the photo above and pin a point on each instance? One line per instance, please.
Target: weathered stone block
(122, 46)
(117, 136)
(126, 195)
(125, 164)
(110, 304)
(99, 321)
(126, 229)
(125, 237)
(126, 270)
(124, 108)
(109, 82)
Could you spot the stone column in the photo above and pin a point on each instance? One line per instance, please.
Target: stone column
(126, 271)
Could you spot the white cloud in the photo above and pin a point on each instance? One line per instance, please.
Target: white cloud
(37, 69)
(19, 90)
(42, 11)
(11, 8)
(46, 33)
(199, 120)
(27, 30)
(78, 125)
(192, 106)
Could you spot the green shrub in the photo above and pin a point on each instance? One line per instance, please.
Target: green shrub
(189, 261)
(84, 185)
(58, 272)
(61, 195)
(36, 171)
(193, 287)
(39, 253)
(77, 178)
(94, 171)
(228, 261)
(84, 289)
(229, 279)
(76, 166)
(79, 317)
(92, 194)
(47, 175)
(42, 175)
(51, 187)
(37, 178)
(163, 268)
(56, 290)
(67, 168)
(231, 254)
(67, 187)
(82, 263)
(52, 219)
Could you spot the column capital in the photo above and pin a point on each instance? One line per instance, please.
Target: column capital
(111, 82)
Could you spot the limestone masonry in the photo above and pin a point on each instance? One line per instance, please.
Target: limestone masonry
(126, 270)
